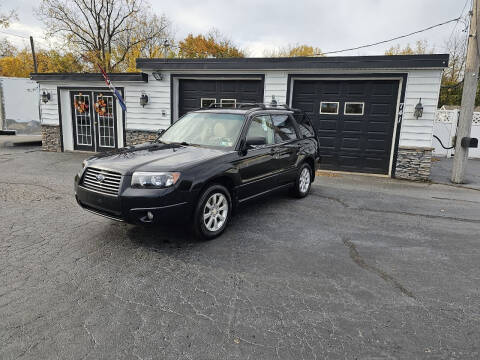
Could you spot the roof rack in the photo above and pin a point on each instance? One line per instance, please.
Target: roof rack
(253, 105)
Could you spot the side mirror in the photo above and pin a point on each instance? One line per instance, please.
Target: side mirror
(256, 141)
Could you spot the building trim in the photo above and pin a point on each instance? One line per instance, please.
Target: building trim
(319, 62)
(123, 77)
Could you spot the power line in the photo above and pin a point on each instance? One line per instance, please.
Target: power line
(392, 39)
(20, 36)
(456, 23)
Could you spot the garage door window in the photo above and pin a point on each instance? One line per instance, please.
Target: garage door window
(354, 108)
(228, 103)
(206, 102)
(330, 108)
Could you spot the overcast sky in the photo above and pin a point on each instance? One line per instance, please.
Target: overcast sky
(266, 24)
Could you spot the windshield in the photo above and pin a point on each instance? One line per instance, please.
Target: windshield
(204, 128)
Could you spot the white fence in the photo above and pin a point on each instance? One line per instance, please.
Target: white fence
(445, 128)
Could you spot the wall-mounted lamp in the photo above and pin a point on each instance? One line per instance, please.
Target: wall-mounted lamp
(157, 75)
(273, 103)
(45, 97)
(418, 109)
(143, 99)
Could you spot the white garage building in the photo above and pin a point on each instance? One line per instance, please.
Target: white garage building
(362, 106)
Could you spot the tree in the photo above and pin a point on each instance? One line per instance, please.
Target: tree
(104, 31)
(21, 64)
(6, 18)
(421, 47)
(213, 44)
(6, 47)
(295, 51)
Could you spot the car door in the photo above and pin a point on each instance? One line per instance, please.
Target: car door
(286, 147)
(256, 165)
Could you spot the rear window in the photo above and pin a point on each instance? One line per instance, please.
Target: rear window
(304, 125)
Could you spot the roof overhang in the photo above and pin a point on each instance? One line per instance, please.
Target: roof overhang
(121, 77)
(296, 63)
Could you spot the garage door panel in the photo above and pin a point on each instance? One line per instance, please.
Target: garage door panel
(191, 91)
(360, 142)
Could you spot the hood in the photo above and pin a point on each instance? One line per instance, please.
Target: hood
(153, 157)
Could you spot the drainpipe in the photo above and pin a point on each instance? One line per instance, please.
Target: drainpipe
(3, 125)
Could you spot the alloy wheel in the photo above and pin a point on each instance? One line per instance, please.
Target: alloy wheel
(215, 212)
(304, 182)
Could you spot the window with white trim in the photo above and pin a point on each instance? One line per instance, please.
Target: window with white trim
(329, 107)
(354, 108)
(228, 103)
(206, 102)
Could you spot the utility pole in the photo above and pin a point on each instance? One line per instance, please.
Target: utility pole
(468, 98)
(32, 46)
(3, 121)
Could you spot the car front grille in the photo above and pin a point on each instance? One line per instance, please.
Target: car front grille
(102, 181)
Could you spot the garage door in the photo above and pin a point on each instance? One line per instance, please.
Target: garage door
(194, 94)
(355, 121)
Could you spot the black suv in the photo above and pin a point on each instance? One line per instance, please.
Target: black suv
(203, 166)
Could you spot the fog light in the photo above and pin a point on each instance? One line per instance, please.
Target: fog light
(149, 215)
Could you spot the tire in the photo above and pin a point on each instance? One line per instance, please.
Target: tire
(216, 201)
(303, 183)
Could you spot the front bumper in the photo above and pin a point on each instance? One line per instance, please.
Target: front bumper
(169, 205)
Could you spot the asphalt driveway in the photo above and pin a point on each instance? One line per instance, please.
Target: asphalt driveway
(365, 267)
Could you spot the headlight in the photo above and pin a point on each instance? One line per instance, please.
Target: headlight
(154, 179)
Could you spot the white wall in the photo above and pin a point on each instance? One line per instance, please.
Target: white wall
(20, 98)
(421, 83)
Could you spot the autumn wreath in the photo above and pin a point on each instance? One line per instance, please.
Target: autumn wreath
(101, 107)
(81, 105)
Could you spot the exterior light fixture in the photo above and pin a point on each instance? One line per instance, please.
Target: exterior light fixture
(273, 103)
(143, 99)
(418, 109)
(45, 97)
(157, 75)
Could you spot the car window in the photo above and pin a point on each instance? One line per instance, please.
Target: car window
(304, 125)
(205, 128)
(284, 128)
(261, 126)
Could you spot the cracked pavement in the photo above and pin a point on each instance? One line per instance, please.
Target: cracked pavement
(363, 268)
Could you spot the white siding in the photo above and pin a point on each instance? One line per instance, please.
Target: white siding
(423, 84)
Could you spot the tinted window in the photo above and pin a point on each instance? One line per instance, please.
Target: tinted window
(284, 128)
(304, 125)
(261, 126)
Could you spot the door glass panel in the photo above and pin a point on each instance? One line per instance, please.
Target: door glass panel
(206, 102)
(262, 126)
(83, 120)
(228, 103)
(284, 128)
(354, 108)
(106, 120)
(329, 108)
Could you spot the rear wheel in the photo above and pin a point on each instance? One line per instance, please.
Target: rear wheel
(303, 181)
(212, 212)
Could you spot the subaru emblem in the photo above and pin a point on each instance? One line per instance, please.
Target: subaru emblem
(100, 177)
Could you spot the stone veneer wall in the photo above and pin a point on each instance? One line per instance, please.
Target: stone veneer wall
(51, 138)
(414, 163)
(135, 137)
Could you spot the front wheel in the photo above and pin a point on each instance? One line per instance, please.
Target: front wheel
(303, 181)
(212, 212)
